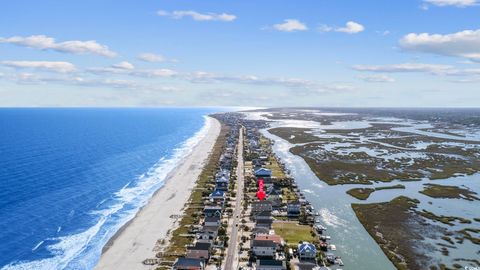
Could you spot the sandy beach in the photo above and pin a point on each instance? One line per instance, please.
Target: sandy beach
(135, 242)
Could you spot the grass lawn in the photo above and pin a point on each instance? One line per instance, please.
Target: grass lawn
(293, 233)
(273, 165)
(289, 195)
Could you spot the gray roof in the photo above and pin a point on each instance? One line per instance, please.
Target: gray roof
(269, 262)
(212, 219)
(258, 230)
(210, 228)
(263, 243)
(200, 246)
(187, 262)
(265, 213)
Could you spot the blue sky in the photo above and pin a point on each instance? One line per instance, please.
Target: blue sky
(240, 53)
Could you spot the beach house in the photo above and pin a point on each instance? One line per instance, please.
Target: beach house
(264, 248)
(270, 265)
(265, 174)
(277, 239)
(307, 251)
(263, 215)
(217, 196)
(261, 206)
(183, 263)
(212, 211)
(221, 183)
(207, 234)
(212, 221)
(265, 223)
(293, 209)
(199, 251)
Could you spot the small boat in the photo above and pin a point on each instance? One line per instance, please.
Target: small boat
(325, 237)
(319, 227)
(332, 247)
(330, 257)
(339, 261)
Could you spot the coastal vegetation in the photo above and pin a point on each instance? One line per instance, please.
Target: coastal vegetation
(389, 223)
(399, 227)
(355, 160)
(449, 192)
(372, 148)
(180, 236)
(364, 193)
(294, 135)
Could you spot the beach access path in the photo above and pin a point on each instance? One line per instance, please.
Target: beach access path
(136, 241)
(231, 261)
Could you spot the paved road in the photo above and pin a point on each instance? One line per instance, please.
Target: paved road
(232, 258)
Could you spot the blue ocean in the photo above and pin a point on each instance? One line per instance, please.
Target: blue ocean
(70, 178)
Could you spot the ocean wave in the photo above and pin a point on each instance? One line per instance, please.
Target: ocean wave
(82, 250)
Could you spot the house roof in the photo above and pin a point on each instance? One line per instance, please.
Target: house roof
(261, 204)
(258, 230)
(265, 213)
(212, 219)
(187, 262)
(263, 172)
(200, 246)
(212, 208)
(264, 221)
(269, 263)
(263, 243)
(306, 247)
(217, 193)
(274, 237)
(274, 192)
(210, 228)
(222, 179)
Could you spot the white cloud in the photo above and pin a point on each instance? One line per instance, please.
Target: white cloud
(150, 57)
(146, 73)
(29, 78)
(350, 27)
(62, 67)
(461, 75)
(43, 42)
(408, 67)
(154, 58)
(290, 83)
(124, 65)
(290, 25)
(155, 73)
(376, 78)
(179, 14)
(455, 3)
(461, 44)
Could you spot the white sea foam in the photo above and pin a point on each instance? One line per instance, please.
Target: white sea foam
(82, 250)
(37, 245)
(330, 219)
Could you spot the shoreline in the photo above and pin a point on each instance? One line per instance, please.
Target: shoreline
(136, 240)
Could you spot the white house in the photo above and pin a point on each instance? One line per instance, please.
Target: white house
(264, 248)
